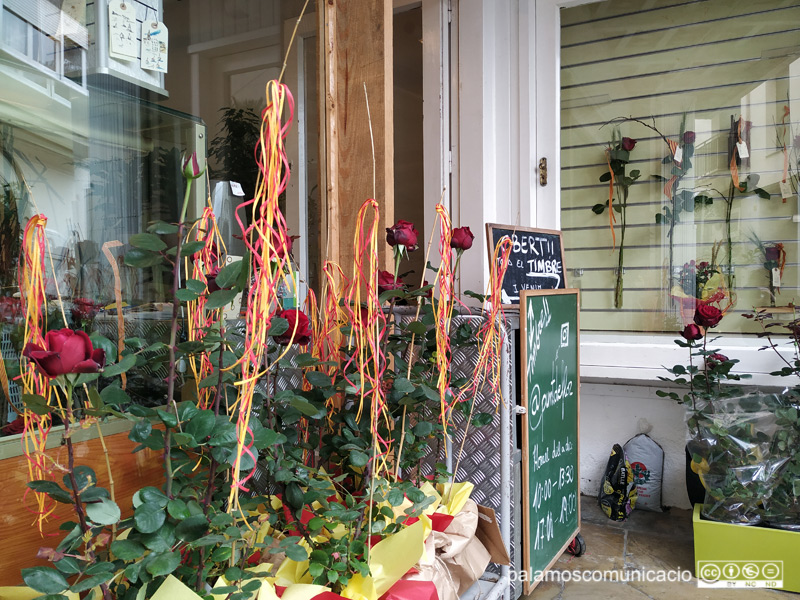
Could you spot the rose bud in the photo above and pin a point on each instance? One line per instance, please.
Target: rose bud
(628, 144)
(707, 315)
(403, 233)
(689, 137)
(66, 351)
(191, 168)
(692, 332)
(461, 239)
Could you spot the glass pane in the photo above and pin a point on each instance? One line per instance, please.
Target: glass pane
(100, 165)
(703, 204)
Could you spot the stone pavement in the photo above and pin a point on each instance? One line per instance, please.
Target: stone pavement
(646, 540)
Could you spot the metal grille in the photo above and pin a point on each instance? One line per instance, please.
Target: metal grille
(8, 353)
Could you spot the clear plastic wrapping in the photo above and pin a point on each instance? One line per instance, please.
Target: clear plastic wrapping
(745, 450)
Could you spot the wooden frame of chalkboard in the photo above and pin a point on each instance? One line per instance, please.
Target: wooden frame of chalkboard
(549, 323)
(548, 240)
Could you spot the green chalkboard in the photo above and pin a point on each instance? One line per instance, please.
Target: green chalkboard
(550, 393)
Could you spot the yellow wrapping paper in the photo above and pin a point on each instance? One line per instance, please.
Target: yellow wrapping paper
(21, 592)
(172, 589)
(454, 496)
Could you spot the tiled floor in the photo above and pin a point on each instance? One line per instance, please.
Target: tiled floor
(645, 541)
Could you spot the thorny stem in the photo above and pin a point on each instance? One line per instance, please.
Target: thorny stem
(173, 337)
(212, 469)
(729, 240)
(76, 494)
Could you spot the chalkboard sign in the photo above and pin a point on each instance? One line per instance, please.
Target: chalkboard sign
(536, 262)
(550, 392)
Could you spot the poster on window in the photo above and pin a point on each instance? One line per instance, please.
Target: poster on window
(155, 43)
(122, 30)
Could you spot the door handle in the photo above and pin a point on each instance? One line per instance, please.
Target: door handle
(542, 171)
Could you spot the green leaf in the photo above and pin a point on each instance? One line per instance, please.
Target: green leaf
(278, 326)
(147, 241)
(659, 218)
(403, 385)
(45, 580)
(296, 553)
(417, 327)
(148, 518)
(127, 549)
(167, 418)
(358, 459)
(229, 274)
(599, 209)
(422, 429)
(395, 497)
(304, 406)
(185, 295)
(195, 285)
(482, 419)
(104, 512)
(192, 528)
(114, 395)
(762, 193)
(68, 565)
(151, 495)
(318, 379)
(123, 366)
(220, 298)
(35, 403)
(605, 177)
(141, 259)
(190, 248)
(85, 378)
(90, 582)
(140, 431)
(163, 228)
(177, 509)
(635, 173)
(52, 489)
(201, 425)
(164, 564)
(389, 294)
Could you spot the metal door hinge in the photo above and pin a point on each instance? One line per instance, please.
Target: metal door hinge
(542, 171)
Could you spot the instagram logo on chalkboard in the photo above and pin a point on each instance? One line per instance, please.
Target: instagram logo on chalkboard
(564, 335)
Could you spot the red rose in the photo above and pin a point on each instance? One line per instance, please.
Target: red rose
(16, 426)
(712, 360)
(211, 280)
(386, 282)
(772, 253)
(402, 234)
(299, 320)
(84, 309)
(707, 315)
(66, 351)
(689, 137)
(284, 246)
(628, 144)
(692, 332)
(461, 239)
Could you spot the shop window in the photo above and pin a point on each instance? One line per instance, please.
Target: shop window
(687, 82)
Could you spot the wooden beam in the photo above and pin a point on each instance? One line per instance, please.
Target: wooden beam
(356, 51)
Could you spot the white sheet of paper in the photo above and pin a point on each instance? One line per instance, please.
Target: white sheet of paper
(776, 277)
(122, 30)
(743, 151)
(155, 46)
(236, 188)
(678, 154)
(786, 189)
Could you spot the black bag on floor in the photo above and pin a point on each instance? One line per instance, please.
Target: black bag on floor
(617, 495)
